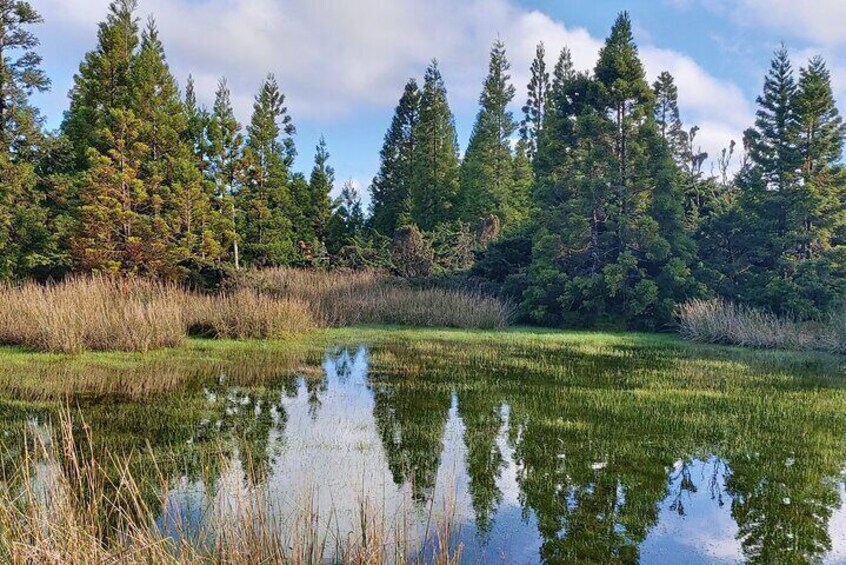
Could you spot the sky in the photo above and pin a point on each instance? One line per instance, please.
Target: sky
(343, 63)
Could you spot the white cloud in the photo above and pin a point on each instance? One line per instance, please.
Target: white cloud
(335, 58)
(819, 21)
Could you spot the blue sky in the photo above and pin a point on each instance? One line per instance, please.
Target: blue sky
(343, 63)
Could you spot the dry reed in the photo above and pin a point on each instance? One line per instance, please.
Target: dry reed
(345, 298)
(720, 321)
(105, 314)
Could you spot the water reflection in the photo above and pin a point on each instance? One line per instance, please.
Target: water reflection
(530, 471)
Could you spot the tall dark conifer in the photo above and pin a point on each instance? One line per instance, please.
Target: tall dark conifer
(264, 200)
(391, 188)
(435, 172)
(487, 182)
(534, 109)
(319, 205)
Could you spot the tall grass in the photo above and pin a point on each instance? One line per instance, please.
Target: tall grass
(720, 321)
(369, 297)
(60, 504)
(105, 314)
(94, 313)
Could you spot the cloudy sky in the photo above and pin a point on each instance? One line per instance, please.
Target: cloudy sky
(343, 63)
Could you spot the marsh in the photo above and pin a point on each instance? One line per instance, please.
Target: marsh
(533, 446)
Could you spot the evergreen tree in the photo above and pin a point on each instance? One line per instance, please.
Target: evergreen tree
(347, 219)
(173, 181)
(534, 109)
(20, 69)
(667, 114)
(792, 204)
(225, 167)
(25, 230)
(104, 81)
(391, 188)
(435, 171)
(611, 245)
(767, 186)
(487, 183)
(264, 201)
(319, 205)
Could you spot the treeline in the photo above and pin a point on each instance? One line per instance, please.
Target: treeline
(594, 209)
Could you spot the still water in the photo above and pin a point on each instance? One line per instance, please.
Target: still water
(566, 469)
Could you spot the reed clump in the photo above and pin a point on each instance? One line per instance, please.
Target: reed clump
(92, 313)
(98, 313)
(720, 321)
(247, 314)
(345, 298)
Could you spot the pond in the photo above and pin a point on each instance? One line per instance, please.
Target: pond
(528, 451)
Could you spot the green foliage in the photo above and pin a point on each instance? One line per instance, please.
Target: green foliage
(391, 188)
(264, 200)
(435, 173)
(347, 221)
(535, 108)
(612, 246)
(487, 176)
(318, 207)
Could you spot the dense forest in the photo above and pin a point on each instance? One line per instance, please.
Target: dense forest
(591, 207)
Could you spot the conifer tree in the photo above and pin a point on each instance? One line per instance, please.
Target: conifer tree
(264, 200)
(486, 173)
(347, 219)
(667, 114)
(435, 172)
(225, 167)
(173, 181)
(612, 245)
(534, 109)
(791, 203)
(26, 237)
(104, 81)
(319, 205)
(391, 188)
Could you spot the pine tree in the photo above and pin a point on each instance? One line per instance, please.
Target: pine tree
(264, 200)
(391, 188)
(667, 114)
(767, 187)
(104, 81)
(319, 205)
(611, 245)
(347, 219)
(25, 230)
(225, 167)
(173, 181)
(534, 109)
(435, 172)
(116, 233)
(486, 173)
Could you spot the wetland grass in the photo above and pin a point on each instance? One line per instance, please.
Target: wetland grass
(719, 321)
(367, 297)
